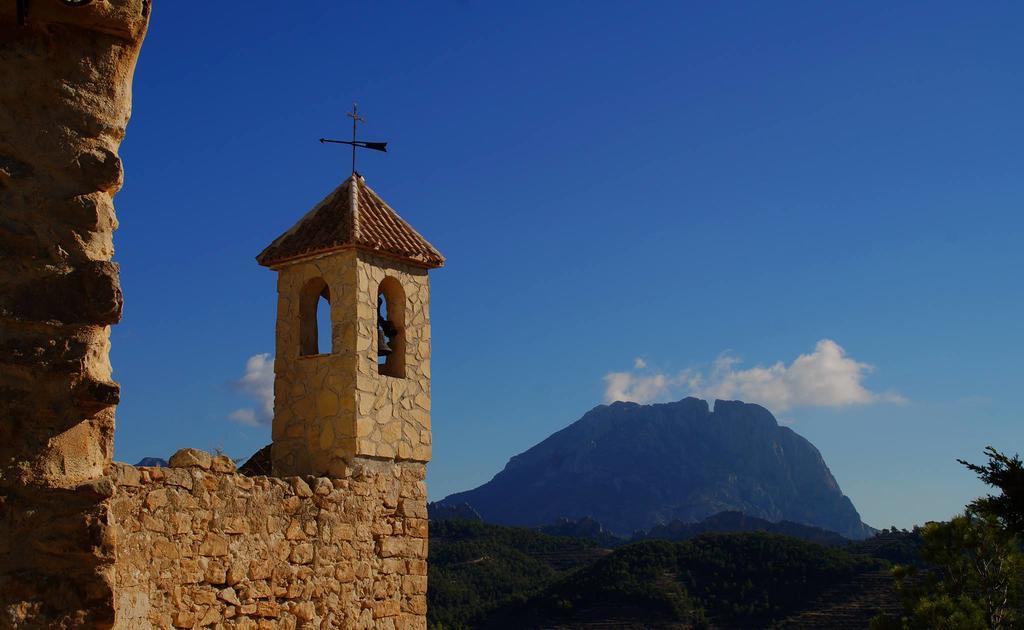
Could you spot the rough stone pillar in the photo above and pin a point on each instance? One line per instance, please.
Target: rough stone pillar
(65, 98)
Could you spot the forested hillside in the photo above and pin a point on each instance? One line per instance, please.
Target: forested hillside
(489, 576)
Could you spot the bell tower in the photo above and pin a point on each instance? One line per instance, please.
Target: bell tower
(367, 393)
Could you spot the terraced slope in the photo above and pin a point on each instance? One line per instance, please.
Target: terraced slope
(849, 605)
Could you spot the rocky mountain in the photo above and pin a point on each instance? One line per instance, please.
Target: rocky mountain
(633, 467)
(152, 461)
(585, 528)
(452, 512)
(737, 522)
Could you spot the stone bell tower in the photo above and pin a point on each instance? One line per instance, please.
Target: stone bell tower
(367, 395)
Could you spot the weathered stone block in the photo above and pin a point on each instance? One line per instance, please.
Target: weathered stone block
(416, 527)
(125, 475)
(268, 609)
(344, 572)
(260, 569)
(204, 596)
(301, 488)
(304, 611)
(223, 464)
(230, 596)
(189, 457)
(414, 585)
(156, 499)
(216, 573)
(235, 525)
(214, 545)
(302, 554)
(184, 619)
(417, 567)
(165, 549)
(412, 508)
(386, 609)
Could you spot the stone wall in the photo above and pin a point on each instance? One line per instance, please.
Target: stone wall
(314, 409)
(331, 407)
(199, 545)
(393, 414)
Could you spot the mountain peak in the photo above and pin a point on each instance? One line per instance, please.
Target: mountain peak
(633, 467)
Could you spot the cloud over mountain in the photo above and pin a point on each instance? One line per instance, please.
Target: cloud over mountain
(826, 377)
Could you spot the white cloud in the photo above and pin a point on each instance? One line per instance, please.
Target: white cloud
(258, 384)
(645, 388)
(628, 387)
(639, 363)
(245, 416)
(827, 377)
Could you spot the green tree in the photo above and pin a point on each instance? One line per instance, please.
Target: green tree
(1007, 474)
(975, 565)
(976, 581)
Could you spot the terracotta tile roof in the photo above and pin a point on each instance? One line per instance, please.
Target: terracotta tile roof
(352, 216)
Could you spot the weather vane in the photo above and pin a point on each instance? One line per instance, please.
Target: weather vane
(361, 144)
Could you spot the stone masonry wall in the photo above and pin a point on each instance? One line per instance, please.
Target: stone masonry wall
(314, 408)
(393, 414)
(201, 546)
(331, 407)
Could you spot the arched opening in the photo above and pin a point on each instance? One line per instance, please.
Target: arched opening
(324, 341)
(391, 328)
(315, 319)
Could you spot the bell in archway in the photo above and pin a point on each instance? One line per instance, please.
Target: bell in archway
(385, 330)
(383, 349)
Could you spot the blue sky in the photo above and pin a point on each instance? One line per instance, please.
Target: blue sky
(723, 184)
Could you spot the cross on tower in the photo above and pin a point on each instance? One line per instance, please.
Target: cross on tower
(361, 144)
(356, 119)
